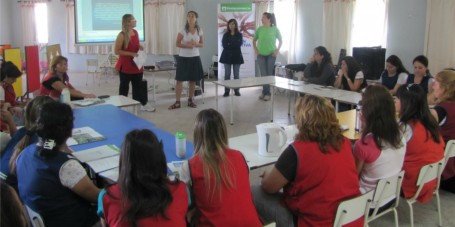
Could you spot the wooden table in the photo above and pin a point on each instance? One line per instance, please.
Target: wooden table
(348, 118)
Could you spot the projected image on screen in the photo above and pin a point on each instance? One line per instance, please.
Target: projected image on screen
(100, 21)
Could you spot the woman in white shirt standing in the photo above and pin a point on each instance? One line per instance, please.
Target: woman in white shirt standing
(189, 65)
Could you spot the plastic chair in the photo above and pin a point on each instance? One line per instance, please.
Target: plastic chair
(449, 151)
(353, 209)
(385, 189)
(35, 219)
(92, 69)
(214, 66)
(428, 173)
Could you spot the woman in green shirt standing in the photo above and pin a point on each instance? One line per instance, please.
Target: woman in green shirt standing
(266, 50)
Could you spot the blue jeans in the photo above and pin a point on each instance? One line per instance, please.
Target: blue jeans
(227, 74)
(266, 65)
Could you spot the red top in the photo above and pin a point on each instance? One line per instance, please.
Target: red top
(10, 94)
(420, 151)
(175, 212)
(125, 64)
(235, 208)
(322, 181)
(448, 133)
(46, 86)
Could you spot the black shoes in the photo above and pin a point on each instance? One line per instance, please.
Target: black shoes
(237, 93)
(226, 94)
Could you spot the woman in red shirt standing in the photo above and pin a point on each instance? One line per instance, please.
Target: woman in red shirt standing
(126, 46)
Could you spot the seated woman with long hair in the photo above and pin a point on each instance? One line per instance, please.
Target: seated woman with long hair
(350, 76)
(218, 177)
(320, 70)
(50, 180)
(144, 195)
(380, 151)
(444, 112)
(309, 170)
(23, 137)
(425, 143)
(394, 75)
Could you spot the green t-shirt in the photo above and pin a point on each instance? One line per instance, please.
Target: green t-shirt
(266, 39)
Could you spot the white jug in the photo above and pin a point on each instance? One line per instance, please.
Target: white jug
(271, 139)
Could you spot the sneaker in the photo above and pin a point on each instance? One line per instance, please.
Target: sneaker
(266, 97)
(261, 97)
(148, 107)
(226, 94)
(237, 93)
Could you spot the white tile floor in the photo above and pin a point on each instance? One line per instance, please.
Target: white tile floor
(248, 112)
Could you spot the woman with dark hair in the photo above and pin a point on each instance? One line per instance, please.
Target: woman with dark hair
(320, 69)
(126, 47)
(23, 137)
(57, 79)
(12, 211)
(350, 76)
(425, 144)
(189, 65)
(309, 171)
(232, 54)
(51, 181)
(379, 153)
(421, 74)
(218, 177)
(9, 74)
(394, 75)
(444, 112)
(264, 44)
(144, 195)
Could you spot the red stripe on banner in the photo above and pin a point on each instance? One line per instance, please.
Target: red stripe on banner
(32, 63)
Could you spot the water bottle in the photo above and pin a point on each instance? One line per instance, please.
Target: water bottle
(65, 96)
(180, 144)
(358, 121)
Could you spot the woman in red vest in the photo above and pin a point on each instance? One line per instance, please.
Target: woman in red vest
(144, 195)
(309, 171)
(444, 112)
(425, 144)
(219, 177)
(57, 79)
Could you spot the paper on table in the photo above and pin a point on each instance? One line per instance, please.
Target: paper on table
(139, 60)
(176, 168)
(97, 153)
(104, 164)
(83, 135)
(111, 174)
(88, 101)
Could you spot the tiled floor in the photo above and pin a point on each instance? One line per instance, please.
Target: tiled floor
(248, 112)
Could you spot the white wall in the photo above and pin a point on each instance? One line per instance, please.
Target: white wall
(406, 34)
(6, 33)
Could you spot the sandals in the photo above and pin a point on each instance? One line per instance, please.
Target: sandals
(191, 103)
(176, 105)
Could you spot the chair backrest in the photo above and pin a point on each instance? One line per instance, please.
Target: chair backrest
(353, 209)
(52, 51)
(35, 219)
(104, 60)
(386, 188)
(449, 151)
(428, 173)
(92, 65)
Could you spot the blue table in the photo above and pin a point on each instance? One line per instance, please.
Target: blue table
(114, 123)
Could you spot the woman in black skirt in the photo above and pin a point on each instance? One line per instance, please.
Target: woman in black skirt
(189, 66)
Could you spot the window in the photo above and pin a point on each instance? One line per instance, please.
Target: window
(369, 23)
(41, 22)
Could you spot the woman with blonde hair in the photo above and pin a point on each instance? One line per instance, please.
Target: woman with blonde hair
(219, 177)
(57, 80)
(127, 47)
(444, 112)
(309, 170)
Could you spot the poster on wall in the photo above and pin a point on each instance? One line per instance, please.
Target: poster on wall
(243, 13)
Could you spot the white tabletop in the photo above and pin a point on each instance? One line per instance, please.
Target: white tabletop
(314, 89)
(351, 98)
(120, 101)
(248, 145)
(251, 81)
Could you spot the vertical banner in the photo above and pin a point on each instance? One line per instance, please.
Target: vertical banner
(244, 14)
(32, 66)
(14, 55)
